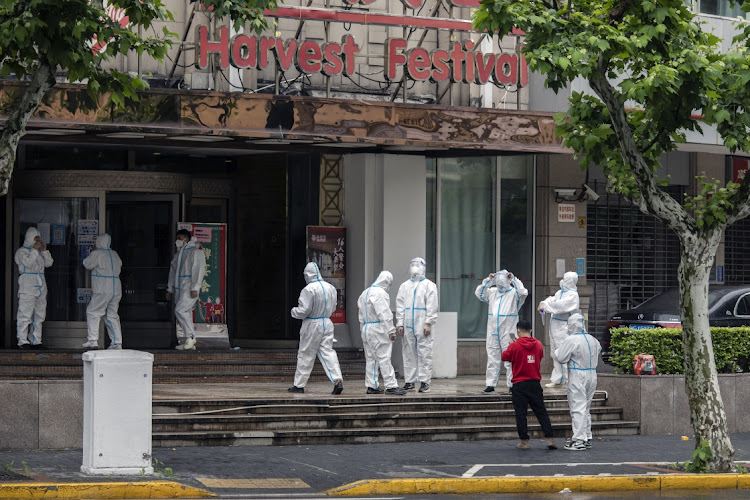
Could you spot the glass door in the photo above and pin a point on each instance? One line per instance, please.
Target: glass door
(142, 227)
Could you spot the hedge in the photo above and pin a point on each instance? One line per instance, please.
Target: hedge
(731, 348)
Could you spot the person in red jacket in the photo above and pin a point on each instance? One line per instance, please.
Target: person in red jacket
(525, 355)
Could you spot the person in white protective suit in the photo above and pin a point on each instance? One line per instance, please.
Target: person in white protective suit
(561, 305)
(185, 278)
(416, 313)
(505, 295)
(32, 258)
(581, 352)
(317, 302)
(378, 333)
(105, 266)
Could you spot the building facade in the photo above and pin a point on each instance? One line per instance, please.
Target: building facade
(390, 118)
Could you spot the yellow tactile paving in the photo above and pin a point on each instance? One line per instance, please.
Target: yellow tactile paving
(261, 484)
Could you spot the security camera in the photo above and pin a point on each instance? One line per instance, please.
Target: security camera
(592, 194)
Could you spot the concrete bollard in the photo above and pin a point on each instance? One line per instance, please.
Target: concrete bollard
(117, 412)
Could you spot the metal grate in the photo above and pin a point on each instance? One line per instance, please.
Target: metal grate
(736, 255)
(631, 256)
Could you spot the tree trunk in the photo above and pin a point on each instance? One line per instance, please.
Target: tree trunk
(15, 127)
(701, 381)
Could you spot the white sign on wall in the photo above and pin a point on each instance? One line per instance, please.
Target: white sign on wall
(566, 212)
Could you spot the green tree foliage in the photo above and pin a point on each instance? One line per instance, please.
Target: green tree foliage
(652, 69)
(40, 39)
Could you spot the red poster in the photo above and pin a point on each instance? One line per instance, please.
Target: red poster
(739, 169)
(326, 246)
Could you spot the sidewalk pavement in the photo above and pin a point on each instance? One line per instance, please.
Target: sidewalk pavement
(398, 468)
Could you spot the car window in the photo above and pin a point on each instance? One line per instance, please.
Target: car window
(743, 306)
(668, 300)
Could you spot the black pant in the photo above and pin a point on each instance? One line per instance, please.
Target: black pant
(525, 394)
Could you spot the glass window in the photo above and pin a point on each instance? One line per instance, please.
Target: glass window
(467, 238)
(57, 221)
(721, 8)
(516, 221)
(469, 204)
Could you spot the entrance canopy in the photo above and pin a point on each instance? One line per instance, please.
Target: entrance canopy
(166, 117)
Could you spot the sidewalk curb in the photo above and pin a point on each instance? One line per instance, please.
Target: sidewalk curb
(576, 484)
(140, 489)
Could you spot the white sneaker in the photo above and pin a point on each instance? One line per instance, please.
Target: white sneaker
(91, 344)
(553, 384)
(189, 344)
(114, 346)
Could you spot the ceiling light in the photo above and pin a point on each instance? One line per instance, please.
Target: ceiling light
(201, 138)
(132, 135)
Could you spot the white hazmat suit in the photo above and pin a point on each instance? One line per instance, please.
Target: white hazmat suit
(186, 275)
(376, 325)
(32, 290)
(105, 266)
(317, 302)
(561, 305)
(581, 351)
(416, 312)
(505, 298)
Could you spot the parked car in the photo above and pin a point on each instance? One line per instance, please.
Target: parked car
(727, 306)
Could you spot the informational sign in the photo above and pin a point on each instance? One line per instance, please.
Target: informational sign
(581, 266)
(84, 295)
(739, 169)
(43, 228)
(560, 267)
(326, 246)
(211, 306)
(720, 274)
(581, 222)
(58, 234)
(566, 212)
(88, 226)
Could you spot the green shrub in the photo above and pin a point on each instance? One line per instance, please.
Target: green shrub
(731, 348)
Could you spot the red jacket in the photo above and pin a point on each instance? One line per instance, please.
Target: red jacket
(526, 355)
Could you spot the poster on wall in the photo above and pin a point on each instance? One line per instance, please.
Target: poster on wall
(326, 246)
(210, 315)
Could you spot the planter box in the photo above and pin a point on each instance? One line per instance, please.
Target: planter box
(660, 404)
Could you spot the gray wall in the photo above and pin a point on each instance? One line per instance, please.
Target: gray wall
(43, 415)
(660, 403)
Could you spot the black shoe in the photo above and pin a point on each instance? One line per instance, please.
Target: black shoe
(39, 347)
(408, 386)
(25, 347)
(489, 389)
(424, 387)
(296, 389)
(370, 390)
(510, 390)
(338, 387)
(395, 391)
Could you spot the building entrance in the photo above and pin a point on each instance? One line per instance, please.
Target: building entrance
(142, 228)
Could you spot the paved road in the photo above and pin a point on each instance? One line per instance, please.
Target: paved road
(306, 470)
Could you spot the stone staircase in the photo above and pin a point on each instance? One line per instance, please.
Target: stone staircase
(363, 419)
(181, 367)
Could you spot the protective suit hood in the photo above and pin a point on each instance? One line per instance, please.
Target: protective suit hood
(502, 280)
(384, 280)
(576, 324)
(311, 272)
(417, 268)
(103, 241)
(31, 233)
(569, 281)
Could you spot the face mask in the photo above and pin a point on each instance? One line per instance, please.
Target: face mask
(415, 271)
(179, 244)
(562, 284)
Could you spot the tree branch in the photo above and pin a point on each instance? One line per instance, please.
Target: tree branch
(740, 201)
(618, 12)
(15, 127)
(654, 200)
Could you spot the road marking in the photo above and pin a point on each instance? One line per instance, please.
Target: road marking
(474, 469)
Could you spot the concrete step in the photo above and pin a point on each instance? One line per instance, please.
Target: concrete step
(351, 404)
(178, 367)
(360, 420)
(378, 435)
